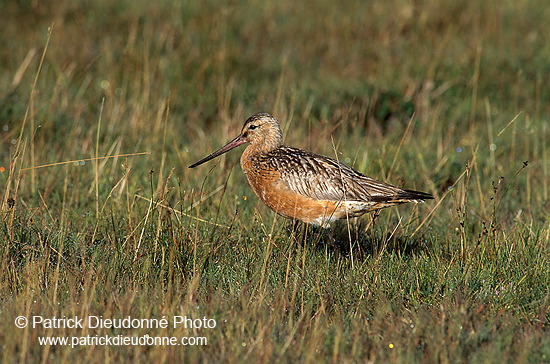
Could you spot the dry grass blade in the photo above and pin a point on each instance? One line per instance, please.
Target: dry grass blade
(84, 160)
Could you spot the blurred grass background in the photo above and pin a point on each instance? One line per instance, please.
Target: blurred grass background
(447, 97)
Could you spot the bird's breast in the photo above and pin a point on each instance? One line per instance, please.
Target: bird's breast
(274, 191)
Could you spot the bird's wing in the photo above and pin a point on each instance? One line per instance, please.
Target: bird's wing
(323, 178)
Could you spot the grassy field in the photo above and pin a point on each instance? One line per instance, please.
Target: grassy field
(104, 104)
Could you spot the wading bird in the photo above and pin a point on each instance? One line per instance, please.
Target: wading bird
(305, 186)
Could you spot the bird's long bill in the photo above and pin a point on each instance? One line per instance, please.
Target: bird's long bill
(226, 148)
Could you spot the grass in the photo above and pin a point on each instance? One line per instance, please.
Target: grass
(447, 97)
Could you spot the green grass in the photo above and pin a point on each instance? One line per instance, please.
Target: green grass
(446, 97)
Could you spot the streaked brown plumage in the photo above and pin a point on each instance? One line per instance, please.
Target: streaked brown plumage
(305, 186)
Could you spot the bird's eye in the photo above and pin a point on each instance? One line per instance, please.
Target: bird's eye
(252, 127)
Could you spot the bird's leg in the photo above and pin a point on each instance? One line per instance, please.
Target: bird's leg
(299, 231)
(374, 217)
(331, 237)
(304, 229)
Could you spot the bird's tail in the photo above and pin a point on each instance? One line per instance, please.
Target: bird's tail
(414, 196)
(402, 196)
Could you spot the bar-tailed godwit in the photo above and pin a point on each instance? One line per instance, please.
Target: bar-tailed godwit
(305, 186)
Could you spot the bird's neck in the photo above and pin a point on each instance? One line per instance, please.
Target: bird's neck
(258, 148)
(265, 144)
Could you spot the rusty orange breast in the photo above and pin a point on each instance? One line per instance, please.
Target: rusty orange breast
(275, 193)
